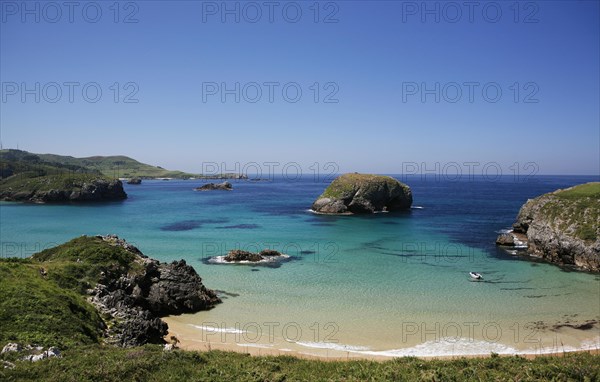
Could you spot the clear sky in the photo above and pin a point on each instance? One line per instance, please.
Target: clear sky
(384, 62)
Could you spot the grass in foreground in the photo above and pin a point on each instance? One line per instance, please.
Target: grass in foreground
(43, 299)
(34, 309)
(151, 363)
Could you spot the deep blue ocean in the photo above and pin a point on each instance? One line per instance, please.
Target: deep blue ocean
(384, 284)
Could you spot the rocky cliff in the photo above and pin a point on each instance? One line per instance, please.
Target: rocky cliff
(363, 193)
(61, 189)
(130, 290)
(562, 227)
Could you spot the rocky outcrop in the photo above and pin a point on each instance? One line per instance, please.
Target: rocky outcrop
(562, 227)
(236, 255)
(135, 181)
(85, 191)
(239, 255)
(33, 353)
(52, 352)
(11, 347)
(266, 257)
(137, 299)
(512, 239)
(215, 186)
(363, 193)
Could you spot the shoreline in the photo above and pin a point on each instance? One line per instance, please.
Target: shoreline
(189, 339)
(255, 351)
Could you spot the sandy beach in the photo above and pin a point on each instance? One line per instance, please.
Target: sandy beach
(190, 338)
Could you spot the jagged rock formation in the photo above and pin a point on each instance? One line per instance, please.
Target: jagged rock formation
(135, 181)
(215, 186)
(363, 193)
(236, 255)
(135, 300)
(562, 227)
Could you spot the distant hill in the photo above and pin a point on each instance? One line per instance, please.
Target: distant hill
(118, 166)
(17, 161)
(14, 162)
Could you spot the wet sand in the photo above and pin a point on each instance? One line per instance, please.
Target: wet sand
(191, 339)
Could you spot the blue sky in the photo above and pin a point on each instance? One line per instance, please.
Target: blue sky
(376, 60)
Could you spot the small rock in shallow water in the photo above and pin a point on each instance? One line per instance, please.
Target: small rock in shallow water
(505, 239)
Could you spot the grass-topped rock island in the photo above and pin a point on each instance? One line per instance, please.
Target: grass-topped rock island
(363, 193)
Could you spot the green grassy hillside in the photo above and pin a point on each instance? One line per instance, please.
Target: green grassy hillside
(36, 309)
(27, 177)
(118, 166)
(109, 166)
(44, 297)
(30, 181)
(21, 162)
(576, 208)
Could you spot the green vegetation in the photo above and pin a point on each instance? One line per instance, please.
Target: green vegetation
(344, 186)
(117, 166)
(30, 165)
(576, 209)
(587, 190)
(43, 297)
(151, 363)
(34, 309)
(17, 161)
(25, 174)
(30, 182)
(77, 264)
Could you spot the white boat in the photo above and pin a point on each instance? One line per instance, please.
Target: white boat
(475, 276)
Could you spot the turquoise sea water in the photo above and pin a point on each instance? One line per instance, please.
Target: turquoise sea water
(386, 284)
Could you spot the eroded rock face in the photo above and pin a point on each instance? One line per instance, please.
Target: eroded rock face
(135, 181)
(89, 191)
(506, 239)
(363, 193)
(137, 300)
(562, 227)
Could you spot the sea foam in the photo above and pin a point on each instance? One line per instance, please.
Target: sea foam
(267, 259)
(332, 346)
(215, 329)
